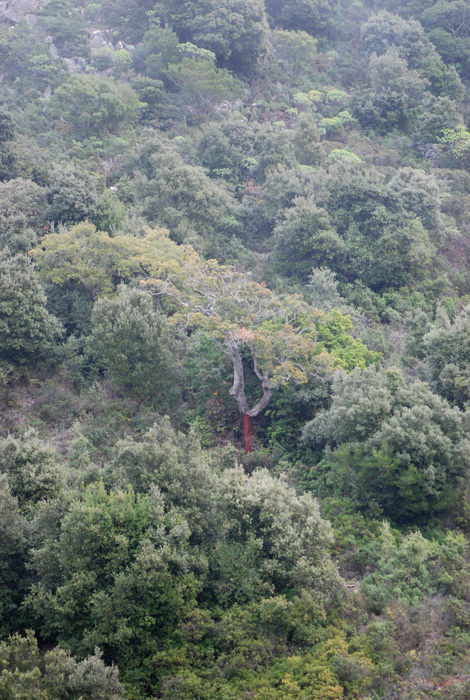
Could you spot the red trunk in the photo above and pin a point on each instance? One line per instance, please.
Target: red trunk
(248, 433)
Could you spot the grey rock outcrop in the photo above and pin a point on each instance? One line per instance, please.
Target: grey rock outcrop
(53, 52)
(15, 10)
(74, 65)
(98, 40)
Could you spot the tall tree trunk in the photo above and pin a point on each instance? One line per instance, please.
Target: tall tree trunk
(238, 389)
(248, 433)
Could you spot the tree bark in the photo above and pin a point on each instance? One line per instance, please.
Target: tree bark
(238, 391)
(238, 388)
(248, 433)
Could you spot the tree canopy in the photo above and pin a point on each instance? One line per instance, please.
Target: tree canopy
(234, 356)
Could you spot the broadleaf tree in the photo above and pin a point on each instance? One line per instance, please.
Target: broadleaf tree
(280, 339)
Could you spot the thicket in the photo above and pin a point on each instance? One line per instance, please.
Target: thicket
(234, 350)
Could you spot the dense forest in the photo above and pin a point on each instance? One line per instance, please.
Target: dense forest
(234, 350)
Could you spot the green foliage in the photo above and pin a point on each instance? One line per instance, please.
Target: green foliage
(127, 20)
(448, 26)
(59, 19)
(31, 467)
(122, 60)
(457, 140)
(384, 30)
(441, 115)
(307, 146)
(340, 155)
(83, 263)
(64, 258)
(394, 95)
(111, 212)
(411, 568)
(22, 214)
(92, 104)
(24, 61)
(12, 557)
(323, 291)
(311, 16)
(335, 334)
(418, 50)
(243, 640)
(129, 339)
(184, 199)
(6, 127)
(447, 353)
(296, 51)
(7, 155)
(419, 195)
(71, 195)
(26, 673)
(113, 574)
(189, 50)
(282, 188)
(27, 330)
(159, 50)
(234, 30)
(202, 87)
(151, 95)
(288, 536)
(399, 446)
(381, 243)
(260, 518)
(322, 162)
(176, 464)
(306, 239)
(218, 153)
(102, 58)
(42, 71)
(7, 163)
(273, 150)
